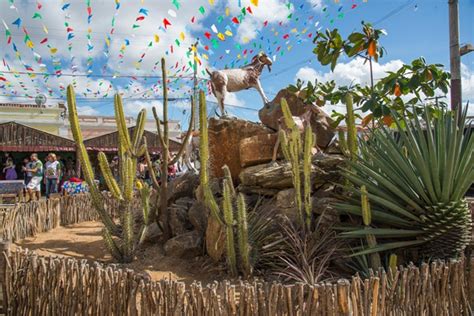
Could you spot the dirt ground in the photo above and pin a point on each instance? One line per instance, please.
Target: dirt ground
(83, 241)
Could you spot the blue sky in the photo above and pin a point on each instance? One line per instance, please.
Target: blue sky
(415, 28)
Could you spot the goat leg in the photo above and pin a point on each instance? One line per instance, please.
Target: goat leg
(259, 88)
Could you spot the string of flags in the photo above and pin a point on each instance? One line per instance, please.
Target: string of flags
(211, 38)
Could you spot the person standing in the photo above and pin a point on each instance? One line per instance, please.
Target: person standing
(34, 186)
(9, 170)
(26, 174)
(53, 170)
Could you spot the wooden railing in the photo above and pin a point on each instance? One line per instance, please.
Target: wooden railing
(63, 286)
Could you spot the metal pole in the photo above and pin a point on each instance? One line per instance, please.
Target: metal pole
(195, 89)
(455, 55)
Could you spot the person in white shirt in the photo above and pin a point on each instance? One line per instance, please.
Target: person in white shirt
(52, 170)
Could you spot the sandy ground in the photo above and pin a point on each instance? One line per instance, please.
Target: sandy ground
(83, 241)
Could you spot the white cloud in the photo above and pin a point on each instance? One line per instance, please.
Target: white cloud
(355, 72)
(467, 77)
(271, 11)
(316, 4)
(87, 110)
(132, 108)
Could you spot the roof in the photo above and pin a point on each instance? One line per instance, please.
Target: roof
(109, 142)
(16, 137)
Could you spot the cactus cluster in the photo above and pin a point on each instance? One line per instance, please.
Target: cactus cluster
(225, 215)
(162, 213)
(349, 145)
(121, 240)
(298, 152)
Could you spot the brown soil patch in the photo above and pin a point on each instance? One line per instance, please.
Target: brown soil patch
(84, 241)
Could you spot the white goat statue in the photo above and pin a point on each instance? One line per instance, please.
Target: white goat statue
(238, 79)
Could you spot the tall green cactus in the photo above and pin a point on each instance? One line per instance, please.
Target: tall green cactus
(351, 127)
(375, 261)
(162, 212)
(299, 156)
(225, 215)
(129, 151)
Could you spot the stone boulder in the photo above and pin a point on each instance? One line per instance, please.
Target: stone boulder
(324, 209)
(257, 149)
(224, 142)
(198, 215)
(285, 204)
(183, 186)
(178, 216)
(320, 121)
(215, 239)
(268, 176)
(188, 245)
(327, 169)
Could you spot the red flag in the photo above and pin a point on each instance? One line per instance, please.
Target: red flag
(89, 10)
(235, 20)
(286, 36)
(166, 22)
(3, 79)
(208, 35)
(140, 18)
(193, 19)
(265, 23)
(44, 40)
(249, 9)
(69, 29)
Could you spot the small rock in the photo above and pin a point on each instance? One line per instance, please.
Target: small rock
(153, 233)
(324, 207)
(198, 215)
(187, 245)
(286, 205)
(178, 217)
(183, 186)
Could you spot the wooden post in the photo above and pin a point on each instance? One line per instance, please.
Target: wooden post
(4, 249)
(455, 55)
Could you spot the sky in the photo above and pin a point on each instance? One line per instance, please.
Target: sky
(108, 46)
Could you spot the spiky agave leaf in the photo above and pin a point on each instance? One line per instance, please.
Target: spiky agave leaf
(416, 180)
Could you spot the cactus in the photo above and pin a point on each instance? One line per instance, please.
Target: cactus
(392, 262)
(129, 151)
(162, 213)
(243, 235)
(367, 219)
(224, 215)
(299, 156)
(351, 127)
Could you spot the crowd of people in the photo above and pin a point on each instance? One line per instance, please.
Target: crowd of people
(49, 175)
(35, 173)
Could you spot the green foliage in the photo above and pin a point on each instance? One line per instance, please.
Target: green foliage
(416, 181)
(418, 78)
(123, 248)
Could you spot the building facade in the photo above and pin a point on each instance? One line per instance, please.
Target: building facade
(53, 119)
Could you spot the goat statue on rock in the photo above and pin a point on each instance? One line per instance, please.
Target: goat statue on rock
(238, 79)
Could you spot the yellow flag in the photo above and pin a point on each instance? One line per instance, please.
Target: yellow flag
(182, 36)
(157, 38)
(29, 44)
(53, 50)
(221, 36)
(45, 29)
(254, 2)
(211, 2)
(228, 33)
(107, 42)
(227, 11)
(205, 56)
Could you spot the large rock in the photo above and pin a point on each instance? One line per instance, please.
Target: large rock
(320, 121)
(327, 169)
(257, 149)
(324, 209)
(286, 205)
(198, 215)
(224, 140)
(215, 239)
(188, 245)
(178, 216)
(183, 186)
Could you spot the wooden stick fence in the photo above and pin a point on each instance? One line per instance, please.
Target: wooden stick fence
(64, 286)
(28, 219)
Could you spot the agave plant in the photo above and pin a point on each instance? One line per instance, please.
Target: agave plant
(416, 177)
